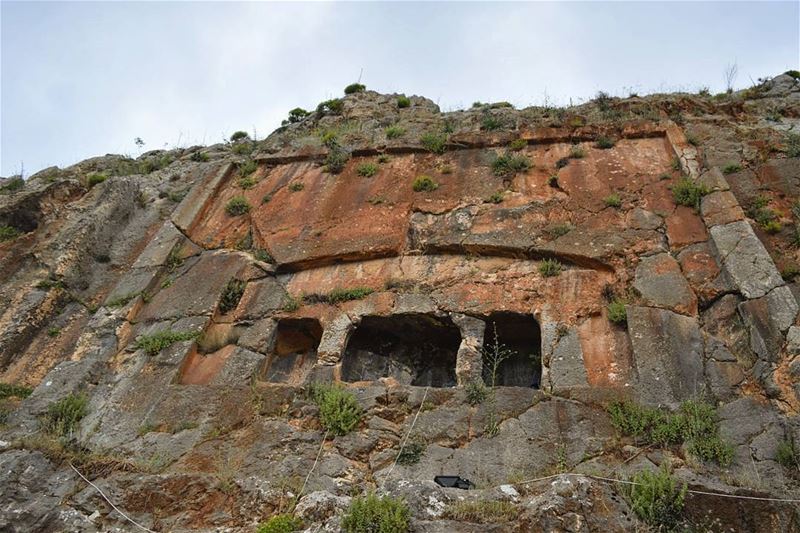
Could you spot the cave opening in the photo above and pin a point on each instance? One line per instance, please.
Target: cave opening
(295, 351)
(415, 349)
(512, 351)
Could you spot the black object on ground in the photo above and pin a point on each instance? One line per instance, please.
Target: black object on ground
(453, 482)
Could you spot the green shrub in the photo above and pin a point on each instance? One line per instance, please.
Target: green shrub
(199, 156)
(16, 391)
(613, 200)
(231, 295)
(549, 268)
(559, 230)
(8, 233)
(296, 115)
(153, 344)
(333, 106)
(262, 255)
(772, 226)
(248, 167)
(336, 159)
(689, 193)
(62, 417)
(411, 453)
(788, 454)
(495, 198)
(383, 158)
(616, 311)
(792, 143)
(657, 498)
(13, 184)
(793, 73)
(247, 182)
(296, 186)
(517, 145)
(281, 523)
(604, 143)
(355, 88)
(576, 152)
(509, 164)
(694, 423)
(434, 142)
(344, 295)
(367, 169)
(393, 132)
(238, 205)
(424, 183)
(403, 101)
(491, 123)
(553, 181)
(373, 514)
(239, 135)
(243, 148)
(95, 178)
(339, 412)
(731, 168)
(481, 511)
(477, 392)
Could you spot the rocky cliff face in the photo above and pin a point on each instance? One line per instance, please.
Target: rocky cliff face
(638, 249)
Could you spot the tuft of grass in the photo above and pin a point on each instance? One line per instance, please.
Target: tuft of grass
(411, 453)
(231, 295)
(788, 455)
(339, 411)
(576, 152)
(199, 156)
(384, 158)
(12, 185)
(153, 344)
(657, 498)
(604, 143)
(247, 167)
(517, 145)
(296, 186)
(95, 178)
(434, 142)
(695, 423)
(367, 169)
(393, 132)
(509, 164)
(403, 101)
(772, 227)
(613, 200)
(616, 311)
(549, 268)
(354, 88)
(687, 192)
(62, 417)
(281, 523)
(336, 159)
(339, 295)
(14, 391)
(495, 198)
(8, 233)
(491, 123)
(262, 255)
(238, 205)
(291, 304)
(481, 511)
(559, 230)
(792, 144)
(477, 392)
(374, 514)
(731, 168)
(424, 184)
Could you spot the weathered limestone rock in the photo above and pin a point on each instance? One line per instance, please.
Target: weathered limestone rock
(668, 355)
(661, 284)
(567, 368)
(469, 359)
(745, 259)
(334, 340)
(768, 318)
(720, 208)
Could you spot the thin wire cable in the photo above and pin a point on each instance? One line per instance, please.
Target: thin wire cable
(321, 444)
(413, 423)
(126, 517)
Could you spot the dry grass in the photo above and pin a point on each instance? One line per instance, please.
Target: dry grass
(481, 511)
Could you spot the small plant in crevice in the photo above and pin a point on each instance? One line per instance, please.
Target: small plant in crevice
(199, 156)
(262, 255)
(296, 186)
(383, 158)
(434, 142)
(476, 392)
(153, 344)
(376, 514)
(576, 152)
(394, 132)
(731, 168)
(688, 192)
(424, 184)
(8, 233)
(412, 452)
(613, 200)
(231, 295)
(291, 303)
(558, 230)
(403, 101)
(336, 159)
(657, 498)
(281, 523)
(339, 295)
(491, 123)
(238, 205)
(95, 178)
(495, 198)
(247, 167)
(339, 412)
(550, 267)
(12, 185)
(792, 144)
(617, 312)
(517, 145)
(367, 170)
(508, 164)
(63, 416)
(14, 391)
(788, 455)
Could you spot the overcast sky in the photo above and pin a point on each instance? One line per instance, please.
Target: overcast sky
(85, 79)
